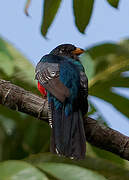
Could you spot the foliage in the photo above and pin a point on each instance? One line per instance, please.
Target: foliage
(82, 18)
(109, 62)
(48, 166)
(113, 3)
(21, 136)
(104, 64)
(50, 10)
(18, 131)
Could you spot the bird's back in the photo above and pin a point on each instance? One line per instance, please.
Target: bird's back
(65, 103)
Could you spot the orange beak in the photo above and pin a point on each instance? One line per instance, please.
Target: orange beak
(78, 51)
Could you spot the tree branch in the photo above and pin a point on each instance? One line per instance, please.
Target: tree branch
(97, 134)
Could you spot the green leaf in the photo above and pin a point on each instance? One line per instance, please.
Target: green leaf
(98, 153)
(69, 172)
(6, 65)
(6, 59)
(114, 3)
(107, 155)
(101, 86)
(110, 61)
(125, 44)
(88, 65)
(50, 10)
(119, 102)
(96, 164)
(15, 67)
(120, 81)
(19, 170)
(106, 55)
(105, 49)
(19, 131)
(82, 12)
(3, 48)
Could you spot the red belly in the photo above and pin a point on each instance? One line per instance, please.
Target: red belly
(42, 89)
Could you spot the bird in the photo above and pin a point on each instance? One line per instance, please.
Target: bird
(61, 78)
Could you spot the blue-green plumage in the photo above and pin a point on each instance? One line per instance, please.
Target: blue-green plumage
(69, 76)
(66, 83)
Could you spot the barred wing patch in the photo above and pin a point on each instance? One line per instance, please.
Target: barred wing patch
(48, 76)
(46, 71)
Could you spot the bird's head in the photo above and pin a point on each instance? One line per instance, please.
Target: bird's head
(68, 50)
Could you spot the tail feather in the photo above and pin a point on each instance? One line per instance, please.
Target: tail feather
(68, 135)
(78, 137)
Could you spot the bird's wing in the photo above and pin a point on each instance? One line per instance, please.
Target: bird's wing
(83, 92)
(48, 76)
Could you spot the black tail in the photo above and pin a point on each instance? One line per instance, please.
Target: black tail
(68, 135)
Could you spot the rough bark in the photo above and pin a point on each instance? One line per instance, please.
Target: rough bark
(97, 134)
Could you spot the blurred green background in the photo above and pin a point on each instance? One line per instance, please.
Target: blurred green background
(107, 64)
